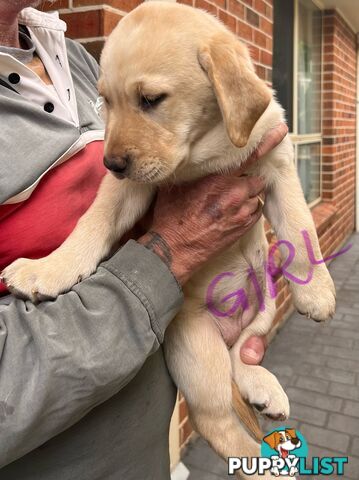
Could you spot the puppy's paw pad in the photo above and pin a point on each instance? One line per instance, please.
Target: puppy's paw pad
(320, 309)
(38, 280)
(264, 392)
(317, 299)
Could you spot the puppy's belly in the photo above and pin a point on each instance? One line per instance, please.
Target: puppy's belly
(224, 289)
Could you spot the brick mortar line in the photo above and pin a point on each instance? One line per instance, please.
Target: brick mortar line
(263, 65)
(345, 108)
(340, 132)
(91, 39)
(336, 164)
(252, 44)
(333, 48)
(261, 15)
(337, 74)
(335, 32)
(343, 102)
(341, 169)
(339, 136)
(349, 85)
(341, 41)
(344, 183)
(339, 127)
(90, 8)
(338, 93)
(340, 31)
(337, 15)
(348, 98)
(333, 190)
(257, 29)
(350, 82)
(334, 133)
(335, 126)
(328, 62)
(341, 110)
(341, 48)
(332, 180)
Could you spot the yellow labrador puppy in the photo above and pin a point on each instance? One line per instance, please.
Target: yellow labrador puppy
(183, 101)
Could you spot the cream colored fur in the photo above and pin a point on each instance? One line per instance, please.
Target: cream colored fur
(176, 49)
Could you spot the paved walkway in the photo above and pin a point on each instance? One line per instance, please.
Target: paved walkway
(318, 365)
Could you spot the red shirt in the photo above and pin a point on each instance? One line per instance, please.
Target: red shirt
(37, 226)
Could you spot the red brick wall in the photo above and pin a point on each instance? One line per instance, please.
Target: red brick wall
(251, 20)
(339, 127)
(91, 21)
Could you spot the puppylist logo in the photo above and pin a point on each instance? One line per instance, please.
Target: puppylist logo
(284, 451)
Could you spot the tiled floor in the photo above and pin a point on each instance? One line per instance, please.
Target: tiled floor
(318, 365)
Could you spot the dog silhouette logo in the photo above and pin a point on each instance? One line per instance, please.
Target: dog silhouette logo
(284, 446)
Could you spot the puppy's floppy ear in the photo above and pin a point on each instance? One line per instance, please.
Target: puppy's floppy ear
(291, 432)
(272, 440)
(241, 95)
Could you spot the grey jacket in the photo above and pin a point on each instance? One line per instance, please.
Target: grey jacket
(84, 390)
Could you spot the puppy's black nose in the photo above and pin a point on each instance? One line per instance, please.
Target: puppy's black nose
(295, 440)
(118, 165)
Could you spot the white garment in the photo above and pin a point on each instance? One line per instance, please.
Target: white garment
(47, 33)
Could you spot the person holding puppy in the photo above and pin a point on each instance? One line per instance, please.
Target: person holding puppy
(84, 390)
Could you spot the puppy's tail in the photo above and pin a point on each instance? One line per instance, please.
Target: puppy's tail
(246, 413)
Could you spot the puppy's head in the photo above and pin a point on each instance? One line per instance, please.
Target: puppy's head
(283, 441)
(170, 73)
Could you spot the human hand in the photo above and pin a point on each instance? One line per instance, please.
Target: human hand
(253, 350)
(193, 222)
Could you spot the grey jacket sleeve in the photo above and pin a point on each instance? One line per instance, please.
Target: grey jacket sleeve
(60, 359)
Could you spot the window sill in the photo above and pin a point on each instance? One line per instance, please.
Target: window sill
(323, 213)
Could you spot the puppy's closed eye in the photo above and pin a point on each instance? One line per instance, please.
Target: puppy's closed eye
(148, 102)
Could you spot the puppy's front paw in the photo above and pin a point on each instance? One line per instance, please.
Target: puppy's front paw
(39, 280)
(316, 300)
(262, 389)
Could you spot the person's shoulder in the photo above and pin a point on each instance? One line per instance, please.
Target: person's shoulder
(77, 50)
(79, 56)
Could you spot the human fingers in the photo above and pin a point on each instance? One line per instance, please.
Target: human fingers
(253, 350)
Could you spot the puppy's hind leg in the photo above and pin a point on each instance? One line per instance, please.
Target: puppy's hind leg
(200, 364)
(260, 387)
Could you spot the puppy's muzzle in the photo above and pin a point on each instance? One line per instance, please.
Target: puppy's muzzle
(119, 166)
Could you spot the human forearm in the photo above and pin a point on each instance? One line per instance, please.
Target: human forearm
(72, 354)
